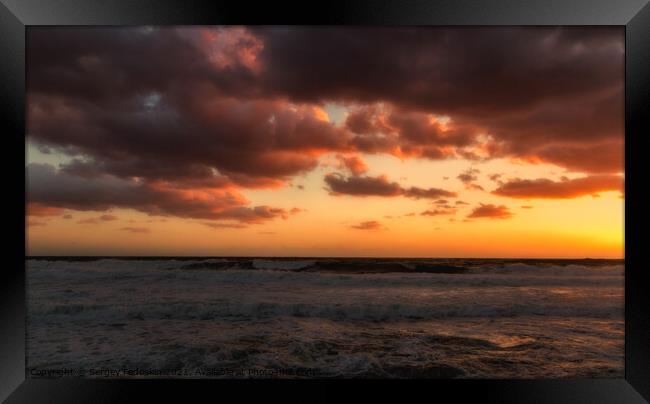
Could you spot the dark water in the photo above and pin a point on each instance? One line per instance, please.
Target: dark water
(265, 317)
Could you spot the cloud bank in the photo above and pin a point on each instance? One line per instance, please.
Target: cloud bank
(181, 121)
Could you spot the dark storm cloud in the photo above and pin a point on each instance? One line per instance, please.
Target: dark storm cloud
(253, 143)
(217, 108)
(464, 70)
(527, 87)
(379, 186)
(152, 104)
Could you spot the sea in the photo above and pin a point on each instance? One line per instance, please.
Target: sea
(234, 317)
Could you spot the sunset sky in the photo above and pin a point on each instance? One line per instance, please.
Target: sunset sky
(328, 141)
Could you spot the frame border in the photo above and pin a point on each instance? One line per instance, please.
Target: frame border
(16, 15)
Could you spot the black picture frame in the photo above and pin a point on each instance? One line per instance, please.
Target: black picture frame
(17, 15)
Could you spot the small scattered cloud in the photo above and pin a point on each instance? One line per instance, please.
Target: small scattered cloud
(99, 219)
(490, 211)
(217, 225)
(438, 212)
(430, 193)
(496, 178)
(379, 186)
(136, 229)
(362, 186)
(564, 189)
(468, 177)
(371, 225)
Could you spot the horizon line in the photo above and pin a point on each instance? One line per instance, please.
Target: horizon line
(314, 257)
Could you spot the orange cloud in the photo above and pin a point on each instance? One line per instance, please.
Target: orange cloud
(38, 209)
(564, 189)
(355, 164)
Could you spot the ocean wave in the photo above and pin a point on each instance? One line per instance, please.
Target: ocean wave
(122, 277)
(340, 266)
(282, 313)
(348, 311)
